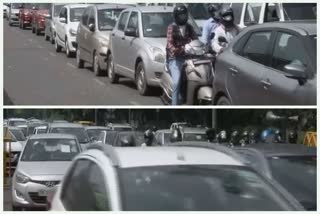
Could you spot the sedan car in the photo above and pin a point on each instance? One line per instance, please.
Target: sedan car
(293, 166)
(269, 64)
(93, 35)
(137, 45)
(182, 177)
(44, 161)
(49, 31)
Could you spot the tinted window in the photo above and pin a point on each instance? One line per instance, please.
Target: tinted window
(237, 10)
(75, 14)
(107, 18)
(57, 9)
(256, 47)
(123, 21)
(197, 188)
(288, 50)
(300, 11)
(252, 13)
(133, 20)
(78, 132)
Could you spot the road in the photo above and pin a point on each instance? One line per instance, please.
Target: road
(34, 74)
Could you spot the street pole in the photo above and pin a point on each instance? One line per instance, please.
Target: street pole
(214, 118)
(96, 116)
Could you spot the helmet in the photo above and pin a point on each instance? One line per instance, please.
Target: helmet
(213, 10)
(180, 15)
(293, 137)
(222, 136)
(226, 16)
(211, 134)
(148, 137)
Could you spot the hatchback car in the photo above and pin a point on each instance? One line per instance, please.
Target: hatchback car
(93, 35)
(49, 31)
(39, 14)
(42, 164)
(25, 16)
(13, 15)
(66, 27)
(269, 64)
(182, 177)
(137, 45)
(293, 166)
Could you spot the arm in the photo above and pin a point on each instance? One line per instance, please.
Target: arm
(171, 44)
(215, 42)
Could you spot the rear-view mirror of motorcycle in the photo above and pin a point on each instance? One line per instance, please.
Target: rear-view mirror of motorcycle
(222, 39)
(296, 71)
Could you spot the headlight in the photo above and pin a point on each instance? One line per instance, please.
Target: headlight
(21, 178)
(158, 55)
(72, 32)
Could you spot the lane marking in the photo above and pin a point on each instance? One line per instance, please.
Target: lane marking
(39, 46)
(71, 65)
(30, 40)
(99, 82)
(46, 59)
(134, 103)
(52, 54)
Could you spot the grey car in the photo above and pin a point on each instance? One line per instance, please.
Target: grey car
(93, 35)
(137, 45)
(269, 64)
(42, 164)
(13, 15)
(49, 31)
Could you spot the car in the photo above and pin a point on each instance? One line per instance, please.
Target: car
(5, 10)
(120, 126)
(181, 177)
(294, 166)
(40, 130)
(33, 125)
(93, 35)
(42, 164)
(95, 131)
(16, 121)
(50, 21)
(66, 27)
(60, 121)
(247, 14)
(39, 14)
(162, 136)
(194, 134)
(177, 125)
(25, 15)
(138, 43)
(268, 64)
(13, 15)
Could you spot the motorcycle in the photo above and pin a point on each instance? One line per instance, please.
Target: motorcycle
(197, 76)
(270, 135)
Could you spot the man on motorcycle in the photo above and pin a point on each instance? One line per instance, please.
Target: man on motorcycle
(227, 30)
(179, 34)
(210, 25)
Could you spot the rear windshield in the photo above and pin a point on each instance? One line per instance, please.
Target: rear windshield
(76, 14)
(78, 132)
(300, 11)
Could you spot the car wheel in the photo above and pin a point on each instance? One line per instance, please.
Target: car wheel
(57, 47)
(223, 101)
(80, 62)
(33, 29)
(113, 77)
(95, 65)
(20, 24)
(68, 52)
(46, 37)
(141, 80)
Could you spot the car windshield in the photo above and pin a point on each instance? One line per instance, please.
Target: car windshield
(17, 122)
(300, 11)
(298, 174)
(197, 188)
(50, 150)
(41, 131)
(78, 132)
(15, 6)
(76, 14)
(95, 133)
(107, 18)
(194, 137)
(57, 9)
(18, 134)
(199, 11)
(156, 24)
(43, 6)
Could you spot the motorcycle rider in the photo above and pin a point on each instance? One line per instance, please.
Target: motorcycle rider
(210, 25)
(179, 33)
(149, 136)
(227, 30)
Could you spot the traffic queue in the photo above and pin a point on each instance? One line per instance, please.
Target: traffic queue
(78, 166)
(235, 54)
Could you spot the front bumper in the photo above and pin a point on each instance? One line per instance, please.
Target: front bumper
(72, 43)
(154, 71)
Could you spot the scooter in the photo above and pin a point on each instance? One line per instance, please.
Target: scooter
(197, 76)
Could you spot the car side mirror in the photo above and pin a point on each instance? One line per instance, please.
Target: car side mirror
(62, 20)
(296, 71)
(131, 32)
(92, 27)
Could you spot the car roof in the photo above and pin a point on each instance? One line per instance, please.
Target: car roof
(66, 125)
(152, 9)
(111, 6)
(52, 136)
(302, 27)
(276, 149)
(96, 127)
(194, 130)
(18, 119)
(77, 5)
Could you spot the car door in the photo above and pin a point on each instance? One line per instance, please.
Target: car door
(131, 46)
(244, 69)
(82, 34)
(89, 36)
(60, 25)
(118, 47)
(288, 49)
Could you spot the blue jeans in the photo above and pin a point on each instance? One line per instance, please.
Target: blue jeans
(175, 68)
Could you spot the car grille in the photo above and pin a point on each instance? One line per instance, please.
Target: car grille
(47, 183)
(37, 199)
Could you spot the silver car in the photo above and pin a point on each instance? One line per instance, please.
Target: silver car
(93, 35)
(43, 163)
(49, 31)
(13, 16)
(138, 43)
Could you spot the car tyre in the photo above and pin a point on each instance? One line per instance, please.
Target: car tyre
(52, 39)
(80, 62)
(113, 77)
(46, 37)
(141, 81)
(223, 101)
(57, 47)
(95, 65)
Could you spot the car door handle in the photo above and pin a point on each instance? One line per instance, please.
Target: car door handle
(234, 71)
(266, 84)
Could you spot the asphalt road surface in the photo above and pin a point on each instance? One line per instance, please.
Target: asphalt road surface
(34, 74)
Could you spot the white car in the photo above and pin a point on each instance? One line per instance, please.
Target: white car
(182, 177)
(17, 121)
(66, 27)
(14, 148)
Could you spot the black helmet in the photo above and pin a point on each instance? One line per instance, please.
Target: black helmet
(213, 10)
(180, 15)
(226, 16)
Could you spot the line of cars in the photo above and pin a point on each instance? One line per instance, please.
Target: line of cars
(271, 63)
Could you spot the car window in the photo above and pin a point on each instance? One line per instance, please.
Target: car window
(78, 132)
(98, 189)
(237, 10)
(123, 21)
(288, 50)
(76, 186)
(62, 13)
(76, 14)
(300, 11)
(92, 19)
(252, 13)
(57, 9)
(107, 18)
(85, 16)
(133, 20)
(256, 47)
(271, 14)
